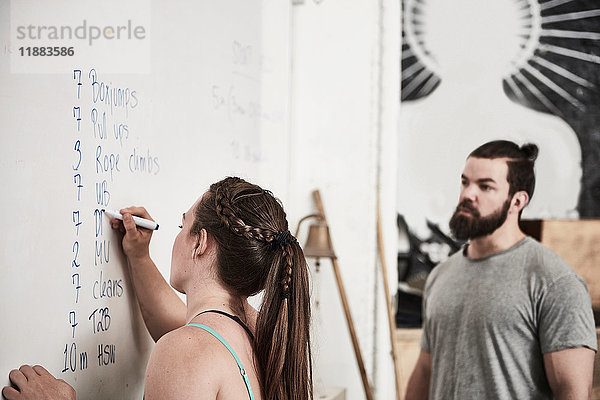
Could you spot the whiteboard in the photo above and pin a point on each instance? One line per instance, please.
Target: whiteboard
(202, 93)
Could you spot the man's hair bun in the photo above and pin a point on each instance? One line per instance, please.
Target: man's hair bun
(530, 150)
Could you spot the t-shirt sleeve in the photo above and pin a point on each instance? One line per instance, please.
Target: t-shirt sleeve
(566, 317)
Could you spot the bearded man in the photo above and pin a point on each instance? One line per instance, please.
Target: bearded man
(505, 318)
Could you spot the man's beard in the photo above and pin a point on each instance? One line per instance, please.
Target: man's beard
(465, 227)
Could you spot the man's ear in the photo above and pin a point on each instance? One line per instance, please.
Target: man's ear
(520, 200)
(201, 243)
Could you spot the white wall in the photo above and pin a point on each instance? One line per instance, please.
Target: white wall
(344, 100)
(470, 108)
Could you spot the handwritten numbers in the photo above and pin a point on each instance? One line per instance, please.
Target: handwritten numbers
(77, 77)
(71, 358)
(77, 181)
(74, 263)
(77, 116)
(77, 148)
(77, 221)
(73, 321)
(100, 128)
(75, 277)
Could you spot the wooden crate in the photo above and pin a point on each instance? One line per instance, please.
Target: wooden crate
(407, 346)
(577, 242)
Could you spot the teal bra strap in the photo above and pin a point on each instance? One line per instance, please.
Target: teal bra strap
(237, 360)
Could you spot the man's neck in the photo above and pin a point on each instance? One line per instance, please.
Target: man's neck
(501, 239)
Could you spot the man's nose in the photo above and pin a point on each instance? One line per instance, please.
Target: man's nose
(469, 192)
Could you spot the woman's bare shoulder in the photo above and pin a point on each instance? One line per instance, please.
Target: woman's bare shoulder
(185, 363)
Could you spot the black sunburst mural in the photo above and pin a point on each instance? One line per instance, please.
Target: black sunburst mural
(557, 72)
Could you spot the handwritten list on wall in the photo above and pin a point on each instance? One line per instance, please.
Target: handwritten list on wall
(101, 156)
(205, 97)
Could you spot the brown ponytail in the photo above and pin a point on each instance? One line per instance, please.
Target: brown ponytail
(255, 252)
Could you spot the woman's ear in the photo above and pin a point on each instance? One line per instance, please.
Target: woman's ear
(520, 200)
(201, 243)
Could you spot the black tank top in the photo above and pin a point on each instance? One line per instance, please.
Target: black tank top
(233, 317)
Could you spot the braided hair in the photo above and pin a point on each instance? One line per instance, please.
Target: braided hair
(255, 252)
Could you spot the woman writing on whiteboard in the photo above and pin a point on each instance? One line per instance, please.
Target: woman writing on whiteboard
(234, 242)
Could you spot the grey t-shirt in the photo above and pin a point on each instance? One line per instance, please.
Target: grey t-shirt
(488, 322)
